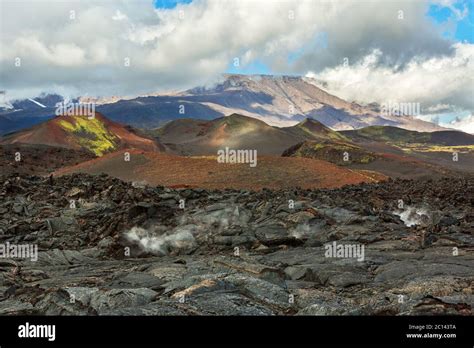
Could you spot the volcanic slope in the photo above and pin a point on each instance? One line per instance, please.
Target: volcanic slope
(198, 137)
(397, 135)
(205, 172)
(337, 152)
(440, 148)
(97, 135)
(38, 159)
(392, 151)
(280, 101)
(201, 137)
(311, 129)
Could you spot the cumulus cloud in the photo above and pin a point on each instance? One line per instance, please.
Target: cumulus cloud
(85, 46)
(436, 83)
(128, 47)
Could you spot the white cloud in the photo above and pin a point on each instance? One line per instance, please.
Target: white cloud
(119, 16)
(446, 81)
(440, 108)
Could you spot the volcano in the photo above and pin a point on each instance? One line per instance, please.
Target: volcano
(201, 137)
(97, 135)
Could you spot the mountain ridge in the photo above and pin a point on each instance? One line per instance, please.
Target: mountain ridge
(277, 100)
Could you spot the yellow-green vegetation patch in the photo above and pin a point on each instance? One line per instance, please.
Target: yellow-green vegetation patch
(409, 148)
(90, 133)
(366, 159)
(317, 146)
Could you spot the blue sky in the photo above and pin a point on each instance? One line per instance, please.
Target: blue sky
(463, 28)
(170, 4)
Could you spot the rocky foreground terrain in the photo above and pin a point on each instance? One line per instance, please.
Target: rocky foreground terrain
(107, 247)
